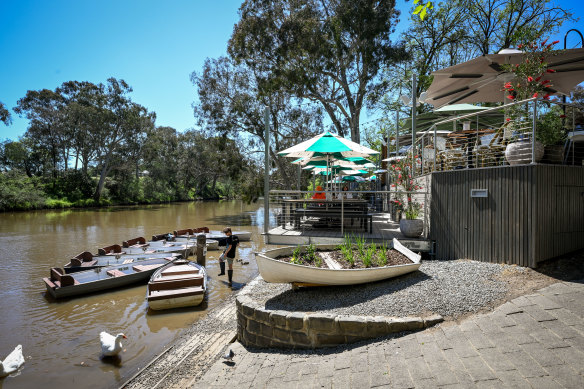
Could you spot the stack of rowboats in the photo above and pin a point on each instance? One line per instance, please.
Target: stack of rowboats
(135, 261)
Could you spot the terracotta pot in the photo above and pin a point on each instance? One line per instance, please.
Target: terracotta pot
(411, 228)
(519, 153)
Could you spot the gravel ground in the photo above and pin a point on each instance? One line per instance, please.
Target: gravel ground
(449, 288)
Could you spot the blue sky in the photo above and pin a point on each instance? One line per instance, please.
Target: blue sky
(153, 45)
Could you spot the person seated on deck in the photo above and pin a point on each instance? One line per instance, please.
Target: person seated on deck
(347, 195)
(319, 195)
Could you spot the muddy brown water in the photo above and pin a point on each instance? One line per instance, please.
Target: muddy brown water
(60, 339)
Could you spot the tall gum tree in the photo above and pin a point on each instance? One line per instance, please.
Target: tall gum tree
(122, 122)
(327, 51)
(232, 100)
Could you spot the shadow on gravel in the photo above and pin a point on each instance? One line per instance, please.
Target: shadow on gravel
(568, 267)
(329, 297)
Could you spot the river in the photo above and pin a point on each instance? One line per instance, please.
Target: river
(60, 339)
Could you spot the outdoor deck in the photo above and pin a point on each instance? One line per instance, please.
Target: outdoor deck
(384, 230)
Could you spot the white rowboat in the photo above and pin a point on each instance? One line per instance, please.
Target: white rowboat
(179, 284)
(273, 270)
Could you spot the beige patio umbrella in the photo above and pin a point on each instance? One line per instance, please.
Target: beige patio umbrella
(482, 79)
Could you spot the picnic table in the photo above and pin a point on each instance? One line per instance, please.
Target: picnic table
(335, 209)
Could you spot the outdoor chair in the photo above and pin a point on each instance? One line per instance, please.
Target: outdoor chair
(492, 154)
(449, 155)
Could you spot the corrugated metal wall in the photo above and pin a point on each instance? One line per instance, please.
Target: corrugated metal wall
(532, 213)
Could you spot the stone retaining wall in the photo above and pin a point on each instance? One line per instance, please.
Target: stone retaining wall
(263, 328)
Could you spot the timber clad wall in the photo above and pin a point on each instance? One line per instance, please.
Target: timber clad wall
(532, 213)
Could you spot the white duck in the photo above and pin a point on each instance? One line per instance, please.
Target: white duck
(12, 362)
(111, 345)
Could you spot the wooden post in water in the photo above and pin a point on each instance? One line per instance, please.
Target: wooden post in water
(202, 249)
(267, 171)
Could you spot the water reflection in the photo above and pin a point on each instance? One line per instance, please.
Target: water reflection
(61, 338)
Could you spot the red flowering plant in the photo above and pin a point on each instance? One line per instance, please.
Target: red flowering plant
(530, 75)
(530, 79)
(404, 184)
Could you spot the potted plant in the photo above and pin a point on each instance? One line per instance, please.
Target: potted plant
(410, 226)
(550, 132)
(529, 81)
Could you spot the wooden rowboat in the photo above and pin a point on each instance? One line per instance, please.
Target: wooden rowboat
(88, 261)
(178, 284)
(61, 285)
(273, 270)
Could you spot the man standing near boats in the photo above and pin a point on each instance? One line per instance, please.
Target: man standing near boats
(229, 254)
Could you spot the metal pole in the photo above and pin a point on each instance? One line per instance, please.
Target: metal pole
(414, 98)
(533, 131)
(267, 170)
(565, 44)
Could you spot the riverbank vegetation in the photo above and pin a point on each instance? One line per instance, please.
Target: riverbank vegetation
(317, 64)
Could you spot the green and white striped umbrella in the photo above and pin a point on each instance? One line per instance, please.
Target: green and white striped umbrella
(330, 145)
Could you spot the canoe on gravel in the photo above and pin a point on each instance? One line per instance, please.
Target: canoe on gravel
(178, 284)
(273, 270)
(61, 285)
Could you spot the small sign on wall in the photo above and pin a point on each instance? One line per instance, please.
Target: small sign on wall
(479, 193)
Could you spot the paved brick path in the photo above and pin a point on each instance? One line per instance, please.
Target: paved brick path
(534, 341)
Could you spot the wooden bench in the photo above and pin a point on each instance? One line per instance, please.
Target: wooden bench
(76, 262)
(115, 273)
(110, 250)
(136, 242)
(139, 268)
(336, 214)
(175, 293)
(60, 279)
(183, 232)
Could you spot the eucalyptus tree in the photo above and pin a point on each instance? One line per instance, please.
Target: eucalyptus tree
(326, 51)
(231, 102)
(82, 112)
(5, 116)
(122, 123)
(44, 109)
(493, 25)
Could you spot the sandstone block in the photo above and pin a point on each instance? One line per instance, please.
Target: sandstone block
(295, 320)
(300, 339)
(262, 315)
(253, 327)
(278, 318)
(281, 335)
(266, 330)
(321, 323)
(351, 324)
(328, 340)
(433, 320)
(376, 326)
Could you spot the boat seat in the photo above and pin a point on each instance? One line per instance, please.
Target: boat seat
(139, 268)
(172, 271)
(174, 283)
(129, 260)
(85, 256)
(174, 293)
(115, 273)
(110, 250)
(136, 242)
(88, 264)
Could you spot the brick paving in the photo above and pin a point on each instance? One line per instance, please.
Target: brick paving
(534, 341)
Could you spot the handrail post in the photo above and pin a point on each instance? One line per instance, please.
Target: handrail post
(342, 212)
(533, 132)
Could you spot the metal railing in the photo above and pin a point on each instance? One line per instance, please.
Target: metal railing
(503, 135)
(350, 212)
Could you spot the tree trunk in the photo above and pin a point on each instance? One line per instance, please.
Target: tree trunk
(102, 176)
